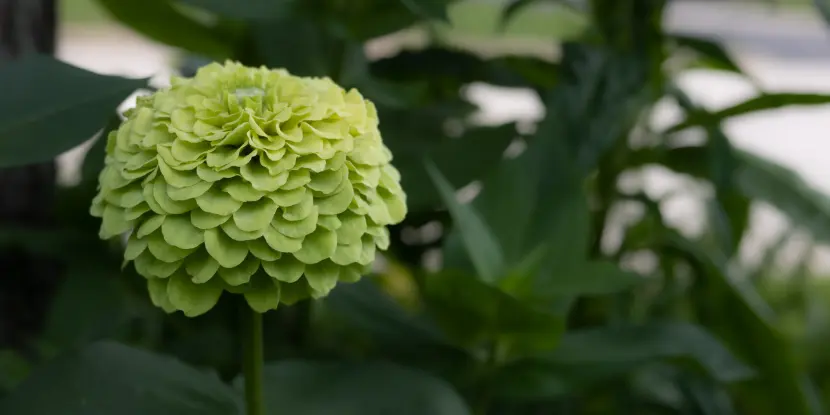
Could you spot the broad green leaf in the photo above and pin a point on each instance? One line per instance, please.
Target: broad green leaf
(763, 102)
(758, 179)
(161, 21)
(782, 385)
(482, 246)
(461, 160)
(368, 309)
(13, 369)
(244, 9)
(49, 107)
(587, 357)
(90, 304)
(428, 9)
(474, 312)
(108, 378)
(323, 388)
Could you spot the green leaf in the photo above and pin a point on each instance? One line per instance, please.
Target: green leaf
(461, 160)
(244, 9)
(590, 356)
(782, 386)
(481, 244)
(50, 107)
(428, 9)
(322, 388)
(366, 308)
(108, 378)
(711, 53)
(161, 21)
(13, 369)
(766, 101)
(90, 304)
(474, 312)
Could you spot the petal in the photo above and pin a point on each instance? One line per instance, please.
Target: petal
(280, 242)
(255, 216)
(166, 203)
(328, 181)
(350, 274)
(261, 179)
(296, 229)
(237, 234)
(150, 225)
(280, 165)
(286, 269)
(178, 178)
(228, 252)
(296, 179)
(205, 220)
(264, 295)
(317, 246)
(208, 174)
(135, 246)
(348, 254)
(149, 267)
(163, 250)
(289, 197)
(193, 299)
(113, 222)
(218, 202)
(158, 294)
(201, 266)
(330, 222)
(301, 210)
(179, 232)
(259, 247)
(190, 192)
(322, 277)
(242, 190)
(241, 273)
(338, 202)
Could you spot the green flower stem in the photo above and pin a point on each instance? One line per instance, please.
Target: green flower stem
(253, 360)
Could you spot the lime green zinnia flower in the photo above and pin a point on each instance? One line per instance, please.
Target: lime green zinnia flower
(252, 181)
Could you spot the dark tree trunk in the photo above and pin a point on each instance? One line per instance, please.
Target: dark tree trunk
(26, 193)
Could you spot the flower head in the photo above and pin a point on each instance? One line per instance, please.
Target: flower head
(251, 181)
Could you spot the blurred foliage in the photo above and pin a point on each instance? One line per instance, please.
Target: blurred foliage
(509, 300)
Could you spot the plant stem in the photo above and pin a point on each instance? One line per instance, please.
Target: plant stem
(252, 360)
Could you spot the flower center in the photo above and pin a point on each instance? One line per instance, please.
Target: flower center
(249, 92)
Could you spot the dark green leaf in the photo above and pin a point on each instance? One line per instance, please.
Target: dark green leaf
(428, 9)
(762, 102)
(13, 369)
(621, 344)
(108, 378)
(482, 246)
(757, 179)
(474, 312)
(94, 157)
(712, 53)
(783, 385)
(244, 9)
(323, 388)
(363, 306)
(89, 305)
(160, 21)
(589, 356)
(461, 160)
(823, 7)
(49, 107)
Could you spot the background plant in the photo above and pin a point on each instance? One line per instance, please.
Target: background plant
(528, 310)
